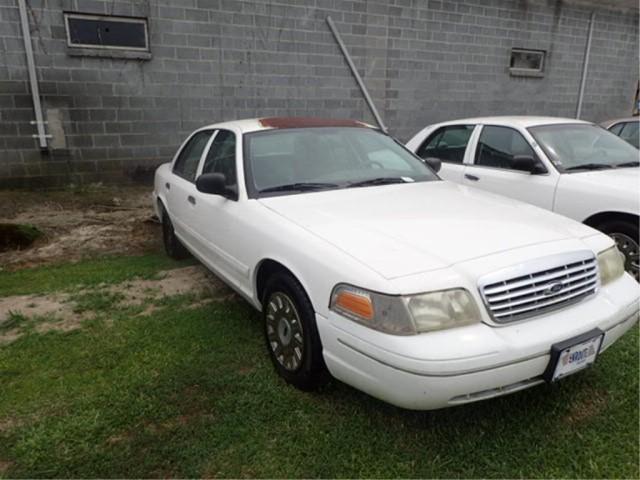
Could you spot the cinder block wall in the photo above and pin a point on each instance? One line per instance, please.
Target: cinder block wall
(213, 60)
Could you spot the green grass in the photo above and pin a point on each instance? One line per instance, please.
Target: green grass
(108, 270)
(189, 392)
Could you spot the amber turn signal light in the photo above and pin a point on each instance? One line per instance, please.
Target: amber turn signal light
(359, 305)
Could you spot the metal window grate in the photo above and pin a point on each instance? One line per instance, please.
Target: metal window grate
(106, 31)
(541, 289)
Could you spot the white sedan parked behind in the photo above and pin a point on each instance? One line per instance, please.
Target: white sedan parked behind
(367, 266)
(571, 167)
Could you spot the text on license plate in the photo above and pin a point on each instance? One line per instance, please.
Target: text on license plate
(577, 357)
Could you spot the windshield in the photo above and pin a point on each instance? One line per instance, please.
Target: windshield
(584, 147)
(303, 159)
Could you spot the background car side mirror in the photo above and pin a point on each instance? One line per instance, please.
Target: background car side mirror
(434, 163)
(215, 184)
(528, 163)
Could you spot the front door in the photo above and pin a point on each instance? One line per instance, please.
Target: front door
(449, 145)
(220, 221)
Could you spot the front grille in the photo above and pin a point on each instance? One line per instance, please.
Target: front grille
(532, 289)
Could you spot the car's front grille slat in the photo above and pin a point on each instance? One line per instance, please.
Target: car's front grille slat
(530, 290)
(534, 290)
(569, 286)
(504, 286)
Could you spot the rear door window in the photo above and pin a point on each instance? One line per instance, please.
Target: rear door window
(447, 143)
(188, 159)
(498, 146)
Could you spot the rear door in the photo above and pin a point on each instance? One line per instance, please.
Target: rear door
(492, 167)
(448, 144)
(181, 187)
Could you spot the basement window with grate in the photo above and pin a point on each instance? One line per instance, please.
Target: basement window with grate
(527, 63)
(107, 36)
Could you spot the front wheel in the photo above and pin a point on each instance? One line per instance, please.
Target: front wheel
(291, 334)
(625, 234)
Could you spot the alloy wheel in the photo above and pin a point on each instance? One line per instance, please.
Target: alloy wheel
(629, 248)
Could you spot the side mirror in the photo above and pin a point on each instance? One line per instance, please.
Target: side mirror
(215, 184)
(528, 163)
(434, 163)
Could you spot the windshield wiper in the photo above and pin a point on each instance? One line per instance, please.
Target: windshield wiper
(299, 187)
(589, 166)
(635, 163)
(377, 181)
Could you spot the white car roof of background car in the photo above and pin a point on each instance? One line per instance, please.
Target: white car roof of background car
(519, 121)
(610, 123)
(269, 123)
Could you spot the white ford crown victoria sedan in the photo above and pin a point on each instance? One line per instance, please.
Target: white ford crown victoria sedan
(571, 167)
(367, 266)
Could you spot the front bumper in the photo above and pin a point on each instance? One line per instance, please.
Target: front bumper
(467, 364)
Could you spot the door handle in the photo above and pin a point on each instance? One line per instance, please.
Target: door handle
(191, 200)
(473, 178)
(167, 185)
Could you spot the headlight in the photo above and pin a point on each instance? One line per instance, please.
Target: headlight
(610, 264)
(405, 315)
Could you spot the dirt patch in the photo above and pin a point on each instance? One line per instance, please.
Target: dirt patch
(195, 280)
(42, 312)
(588, 407)
(5, 466)
(66, 311)
(9, 424)
(79, 225)
(33, 305)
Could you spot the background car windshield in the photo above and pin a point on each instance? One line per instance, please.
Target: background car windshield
(337, 156)
(570, 146)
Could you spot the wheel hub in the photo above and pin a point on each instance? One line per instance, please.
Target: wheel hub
(284, 331)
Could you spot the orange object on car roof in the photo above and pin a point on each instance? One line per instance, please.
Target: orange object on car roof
(303, 122)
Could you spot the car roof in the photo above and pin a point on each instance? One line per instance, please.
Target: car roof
(269, 123)
(516, 120)
(610, 123)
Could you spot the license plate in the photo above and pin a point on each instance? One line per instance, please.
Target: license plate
(574, 355)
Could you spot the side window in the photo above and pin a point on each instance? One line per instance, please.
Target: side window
(221, 157)
(497, 147)
(630, 133)
(188, 159)
(617, 128)
(447, 143)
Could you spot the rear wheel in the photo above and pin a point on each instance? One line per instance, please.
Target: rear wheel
(172, 245)
(625, 234)
(291, 334)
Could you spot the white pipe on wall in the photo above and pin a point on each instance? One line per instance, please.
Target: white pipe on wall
(354, 71)
(33, 78)
(585, 65)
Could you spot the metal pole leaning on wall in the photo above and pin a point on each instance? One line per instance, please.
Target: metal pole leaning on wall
(33, 78)
(585, 65)
(355, 73)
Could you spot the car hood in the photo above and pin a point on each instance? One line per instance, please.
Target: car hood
(622, 180)
(404, 229)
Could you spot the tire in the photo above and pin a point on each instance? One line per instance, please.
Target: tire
(291, 334)
(625, 234)
(172, 245)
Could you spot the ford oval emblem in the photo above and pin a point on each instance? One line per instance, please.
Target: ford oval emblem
(553, 288)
